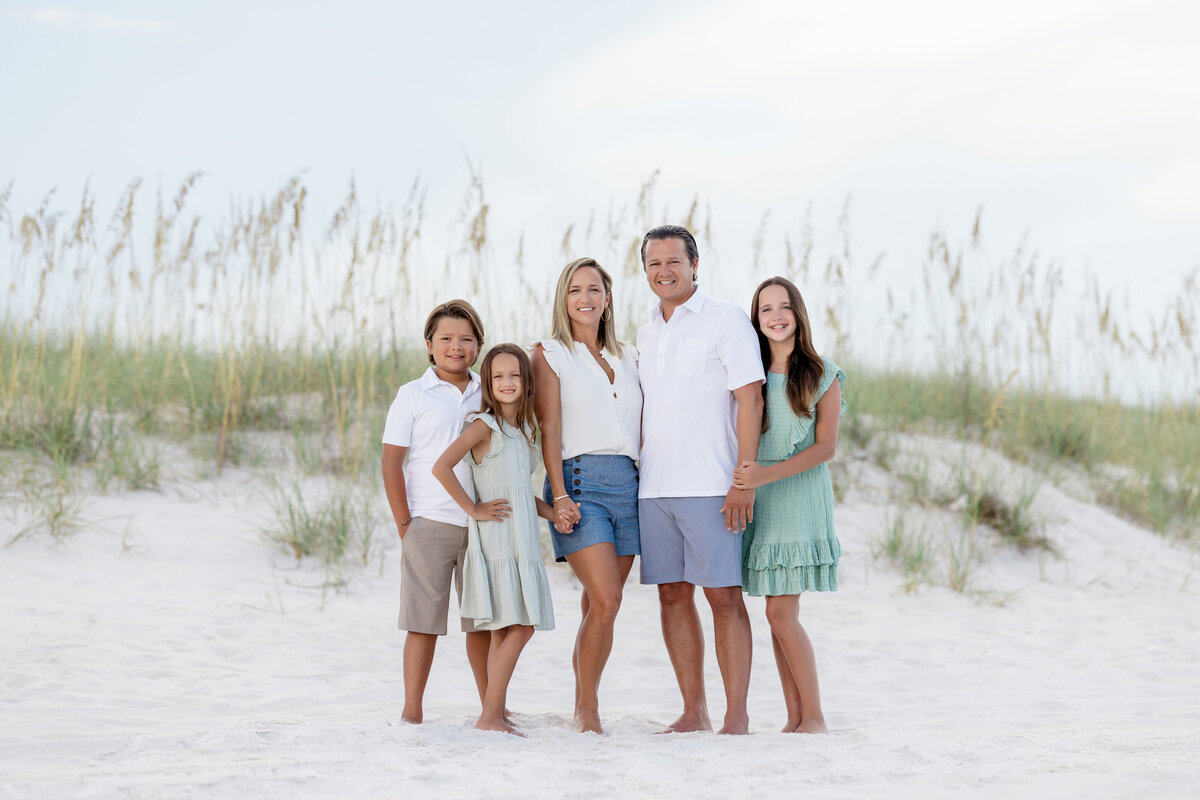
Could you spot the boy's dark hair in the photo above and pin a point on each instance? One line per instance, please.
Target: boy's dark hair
(525, 406)
(456, 309)
(672, 232)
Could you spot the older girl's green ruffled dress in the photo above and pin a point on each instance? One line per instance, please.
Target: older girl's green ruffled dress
(791, 547)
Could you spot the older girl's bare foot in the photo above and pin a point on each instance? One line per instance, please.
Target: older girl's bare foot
(688, 722)
(812, 725)
(588, 721)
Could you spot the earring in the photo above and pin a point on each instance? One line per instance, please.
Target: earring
(606, 315)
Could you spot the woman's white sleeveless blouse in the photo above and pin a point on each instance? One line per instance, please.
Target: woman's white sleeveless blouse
(597, 417)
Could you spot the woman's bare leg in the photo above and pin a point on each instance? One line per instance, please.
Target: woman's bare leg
(603, 575)
(783, 614)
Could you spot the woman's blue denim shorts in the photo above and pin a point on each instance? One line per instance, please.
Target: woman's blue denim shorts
(606, 487)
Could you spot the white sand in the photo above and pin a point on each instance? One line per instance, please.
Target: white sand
(199, 662)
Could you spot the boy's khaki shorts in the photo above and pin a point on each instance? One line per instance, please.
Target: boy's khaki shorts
(431, 553)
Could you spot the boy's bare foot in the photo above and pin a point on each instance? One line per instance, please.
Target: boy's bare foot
(588, 721)
(812, 725)
(688, 722)
(736, 725)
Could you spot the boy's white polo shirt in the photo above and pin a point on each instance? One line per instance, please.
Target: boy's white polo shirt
(689, 367)
(426, 416)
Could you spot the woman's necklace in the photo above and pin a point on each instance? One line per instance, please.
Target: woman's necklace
(598, 355)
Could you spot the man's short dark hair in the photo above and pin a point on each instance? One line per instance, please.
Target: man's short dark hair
(672, 232)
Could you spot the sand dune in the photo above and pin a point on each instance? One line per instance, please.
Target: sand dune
(167, 650)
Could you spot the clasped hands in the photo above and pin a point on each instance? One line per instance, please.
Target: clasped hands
(566, 514)
(739, 500)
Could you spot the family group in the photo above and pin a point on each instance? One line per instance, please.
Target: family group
(703, 450)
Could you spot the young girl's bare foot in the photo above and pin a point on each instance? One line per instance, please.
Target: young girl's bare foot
(588, 721)
(497, 725)
(812, 725)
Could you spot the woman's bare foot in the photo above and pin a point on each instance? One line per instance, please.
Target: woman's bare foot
(588, 721)
(812, 725)
(688, 722)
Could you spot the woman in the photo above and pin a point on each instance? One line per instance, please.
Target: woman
(589, 406)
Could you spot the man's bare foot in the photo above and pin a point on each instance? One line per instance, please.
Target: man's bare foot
(736, 725)
(588, 721)
(497, 725)
(688, 722)
(811, 725)
(413, 717)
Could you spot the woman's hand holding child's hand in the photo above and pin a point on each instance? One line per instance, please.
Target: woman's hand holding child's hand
(750, 475)
(491, 511)
(566, 515)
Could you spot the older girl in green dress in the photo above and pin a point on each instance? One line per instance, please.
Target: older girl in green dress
(790, 547)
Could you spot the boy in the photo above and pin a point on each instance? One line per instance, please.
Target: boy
(426, 416)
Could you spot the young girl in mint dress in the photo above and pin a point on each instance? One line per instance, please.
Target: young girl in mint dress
(505, 589)
(791, 547)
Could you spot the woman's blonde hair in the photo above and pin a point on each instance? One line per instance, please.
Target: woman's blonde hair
(560, 323)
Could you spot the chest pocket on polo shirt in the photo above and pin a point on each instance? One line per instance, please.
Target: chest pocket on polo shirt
(689, 358)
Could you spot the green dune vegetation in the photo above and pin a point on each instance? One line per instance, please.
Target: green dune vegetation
(143, 339)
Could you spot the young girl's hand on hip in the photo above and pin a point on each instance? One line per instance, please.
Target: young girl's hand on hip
(491, 511)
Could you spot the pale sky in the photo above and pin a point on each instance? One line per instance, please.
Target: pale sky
(1074, 123)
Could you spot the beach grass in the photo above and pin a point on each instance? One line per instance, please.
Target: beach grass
(157, 326)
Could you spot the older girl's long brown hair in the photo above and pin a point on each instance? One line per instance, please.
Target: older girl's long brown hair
(525, 404)
(804, 365)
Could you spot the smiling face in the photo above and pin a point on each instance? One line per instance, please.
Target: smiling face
(453, 348)
(586, 298)
(775, 317)
(672, 277)
(505, 377)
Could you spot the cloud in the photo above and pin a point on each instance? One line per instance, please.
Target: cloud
(66, 18)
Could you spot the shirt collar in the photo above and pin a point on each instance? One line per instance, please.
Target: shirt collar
(694, 304)
(430, 380)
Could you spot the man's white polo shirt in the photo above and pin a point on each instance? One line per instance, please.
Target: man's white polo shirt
(689, 368)
(426, 416)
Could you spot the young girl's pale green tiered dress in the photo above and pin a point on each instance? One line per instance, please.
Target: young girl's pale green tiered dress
(504, 581)
(790, 547)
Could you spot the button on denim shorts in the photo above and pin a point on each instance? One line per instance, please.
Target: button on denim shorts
(606, 487)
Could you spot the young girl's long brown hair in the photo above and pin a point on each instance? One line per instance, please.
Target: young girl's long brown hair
(525, 403)
(804, 365)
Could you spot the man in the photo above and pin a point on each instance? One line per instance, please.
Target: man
(701, 375)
